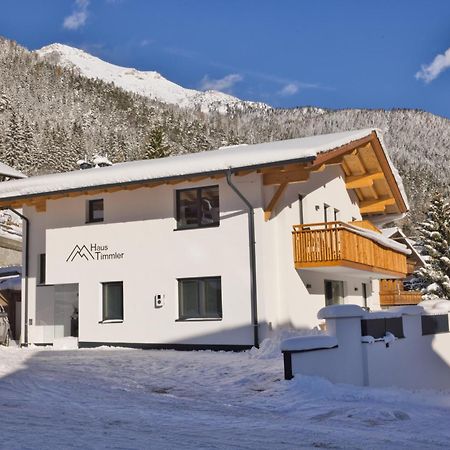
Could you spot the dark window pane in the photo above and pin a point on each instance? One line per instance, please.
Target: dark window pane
(213, 300)
(189, 299)
(113, 301)
(42, 268)
(187, 208)
(96, 210)
(209, 205)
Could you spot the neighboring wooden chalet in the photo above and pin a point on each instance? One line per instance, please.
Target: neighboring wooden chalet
(208, 250)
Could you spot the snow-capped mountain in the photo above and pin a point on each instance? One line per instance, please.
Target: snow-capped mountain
(149, 83)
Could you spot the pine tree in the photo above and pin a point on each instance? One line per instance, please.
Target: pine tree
(434, 235)
(156, 144)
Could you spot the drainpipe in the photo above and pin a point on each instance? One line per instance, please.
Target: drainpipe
(25, 272)
(252, 253)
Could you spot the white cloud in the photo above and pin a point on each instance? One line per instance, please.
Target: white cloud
(224, 84)
(289, 89)
(78, 17)
(431, 71)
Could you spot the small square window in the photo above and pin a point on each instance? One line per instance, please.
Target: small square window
(200, 298)
(95, 210)
(112, 300)
(198, 207)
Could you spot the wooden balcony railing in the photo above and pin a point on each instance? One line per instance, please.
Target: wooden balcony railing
(392, 293)
(400, 298)
(338, 244)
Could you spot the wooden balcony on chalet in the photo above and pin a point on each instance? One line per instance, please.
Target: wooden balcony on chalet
(392, 293)
(346, 249)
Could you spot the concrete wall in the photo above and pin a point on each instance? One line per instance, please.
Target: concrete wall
(413, 361)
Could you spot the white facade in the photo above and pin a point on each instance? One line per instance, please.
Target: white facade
(149, 255)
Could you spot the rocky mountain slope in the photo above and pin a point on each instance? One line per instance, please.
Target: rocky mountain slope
(51, 116)
(149, 84)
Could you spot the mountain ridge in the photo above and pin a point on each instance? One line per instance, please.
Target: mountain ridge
(149, 84)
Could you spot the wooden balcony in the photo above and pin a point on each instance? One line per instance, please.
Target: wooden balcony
(392, 293)
(338, 246)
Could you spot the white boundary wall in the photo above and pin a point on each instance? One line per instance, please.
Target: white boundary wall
(413, 361)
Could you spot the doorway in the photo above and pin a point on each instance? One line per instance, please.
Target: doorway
(66, 310)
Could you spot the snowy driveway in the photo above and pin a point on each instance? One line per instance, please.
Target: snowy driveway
(133, 399)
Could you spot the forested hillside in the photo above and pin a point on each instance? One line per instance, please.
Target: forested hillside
(50, 117)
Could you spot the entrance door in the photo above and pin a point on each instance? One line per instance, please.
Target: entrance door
(66, 310)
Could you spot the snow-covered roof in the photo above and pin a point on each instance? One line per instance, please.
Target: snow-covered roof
(207, 162)
(7, 171)
(380, 239)
(392, 231)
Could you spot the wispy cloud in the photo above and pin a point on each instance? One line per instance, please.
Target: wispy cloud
(224, 84)
(289, 89)
(431, 71)
(78, 17)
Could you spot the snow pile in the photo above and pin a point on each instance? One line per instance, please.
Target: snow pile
(148, 84)
(10, 225)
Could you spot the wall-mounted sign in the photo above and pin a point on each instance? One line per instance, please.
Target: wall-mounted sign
(93, 252)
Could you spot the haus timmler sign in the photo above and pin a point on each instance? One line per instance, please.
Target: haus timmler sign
(93, 252)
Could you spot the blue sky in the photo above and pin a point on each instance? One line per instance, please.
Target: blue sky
(328, 53)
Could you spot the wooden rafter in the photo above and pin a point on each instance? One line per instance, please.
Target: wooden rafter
(291, 176)
(377, 205)
(276, 196)
(361, 181)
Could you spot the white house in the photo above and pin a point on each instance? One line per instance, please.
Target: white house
(200, 250)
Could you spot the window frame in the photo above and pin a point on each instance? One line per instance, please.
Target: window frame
(103, 286)
(201, 300)
(90, 211)
(198, 190)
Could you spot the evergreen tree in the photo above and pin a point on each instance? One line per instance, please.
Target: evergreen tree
(434, 235)
(156, 144)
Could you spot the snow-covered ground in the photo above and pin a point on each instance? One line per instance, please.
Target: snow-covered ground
(135, 399)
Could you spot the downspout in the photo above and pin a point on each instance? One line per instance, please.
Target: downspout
(252, 254)
(25, 272)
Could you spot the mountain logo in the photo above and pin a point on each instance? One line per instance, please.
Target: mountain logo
(80, 252)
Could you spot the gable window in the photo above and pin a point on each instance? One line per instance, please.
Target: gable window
(200, 298)
(112, 293)
(198, 207)
(95, 210)
(334, 292)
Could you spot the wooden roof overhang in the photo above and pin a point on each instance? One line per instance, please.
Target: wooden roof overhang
(364, 164)
(366, 169)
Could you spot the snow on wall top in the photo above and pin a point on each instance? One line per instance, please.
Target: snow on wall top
(238, 157)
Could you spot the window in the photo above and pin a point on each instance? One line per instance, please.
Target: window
(198, 207)
(300, 207)
(336, 215)
(200, 298)
(334, 292)
(325, 212)
(41, 278)
(95, 210)
(112, 301)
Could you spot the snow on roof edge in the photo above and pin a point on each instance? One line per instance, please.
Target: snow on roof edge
(179, 166)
